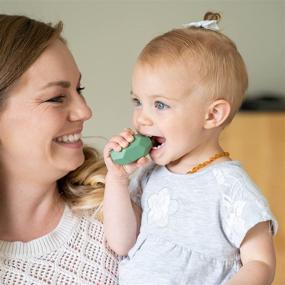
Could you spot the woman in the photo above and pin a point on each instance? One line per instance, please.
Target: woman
(51, 188)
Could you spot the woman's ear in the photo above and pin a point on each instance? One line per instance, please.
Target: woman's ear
(217, 113)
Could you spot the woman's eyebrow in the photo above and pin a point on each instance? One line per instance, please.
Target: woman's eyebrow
(61, 83)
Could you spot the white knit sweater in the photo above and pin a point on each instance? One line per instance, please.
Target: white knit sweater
(74, 253)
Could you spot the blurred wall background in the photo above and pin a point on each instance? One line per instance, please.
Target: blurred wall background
(106, 36)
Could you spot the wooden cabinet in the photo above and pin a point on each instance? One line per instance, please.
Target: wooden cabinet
(258, 141)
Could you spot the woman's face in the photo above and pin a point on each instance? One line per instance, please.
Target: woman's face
(43, 117)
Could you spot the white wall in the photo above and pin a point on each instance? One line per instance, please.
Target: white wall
(105, 37)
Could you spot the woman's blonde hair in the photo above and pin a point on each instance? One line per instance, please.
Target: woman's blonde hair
(83, 188)
(22, 41)
(221, 68)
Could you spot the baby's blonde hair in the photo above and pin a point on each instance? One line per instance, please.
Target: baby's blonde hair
(83, 189)
(221, 67)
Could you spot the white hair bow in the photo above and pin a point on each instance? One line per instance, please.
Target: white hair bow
(207, 24)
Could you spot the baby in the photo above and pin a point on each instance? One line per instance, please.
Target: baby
(192, 215)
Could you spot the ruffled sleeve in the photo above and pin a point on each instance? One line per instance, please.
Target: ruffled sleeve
(242, 207)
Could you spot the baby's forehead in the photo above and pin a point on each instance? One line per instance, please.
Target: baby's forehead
(170, 80)
(187, 66)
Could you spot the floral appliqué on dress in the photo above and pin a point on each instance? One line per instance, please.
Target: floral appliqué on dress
(234, 204)
(160, 207)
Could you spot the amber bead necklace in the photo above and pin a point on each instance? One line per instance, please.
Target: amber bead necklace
(207, 162)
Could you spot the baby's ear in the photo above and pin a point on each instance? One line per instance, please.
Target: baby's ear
(217, 113)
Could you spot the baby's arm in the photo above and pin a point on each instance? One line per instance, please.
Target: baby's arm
(121, 216)
(257, 256)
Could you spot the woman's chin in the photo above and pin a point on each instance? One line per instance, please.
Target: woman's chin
(72, 164)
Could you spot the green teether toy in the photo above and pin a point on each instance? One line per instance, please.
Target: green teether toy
(139, 147)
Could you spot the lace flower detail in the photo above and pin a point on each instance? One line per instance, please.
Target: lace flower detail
(236, 211)
(160, 207)
(222, 176)
(235, 221)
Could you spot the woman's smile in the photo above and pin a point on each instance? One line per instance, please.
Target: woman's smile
(72, 140)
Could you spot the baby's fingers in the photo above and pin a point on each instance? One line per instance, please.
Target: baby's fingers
(128, 134)
(118, 142)
(142, 161)
(129, 168)
(110, 146)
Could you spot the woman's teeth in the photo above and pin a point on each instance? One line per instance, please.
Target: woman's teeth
(69, 138)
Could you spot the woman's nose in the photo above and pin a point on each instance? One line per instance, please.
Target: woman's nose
(79, 110)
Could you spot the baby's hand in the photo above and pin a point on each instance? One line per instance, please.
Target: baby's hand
(116, 143)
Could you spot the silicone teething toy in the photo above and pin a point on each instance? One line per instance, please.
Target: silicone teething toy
(138, 148)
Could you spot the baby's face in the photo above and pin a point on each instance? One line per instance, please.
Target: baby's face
(169, 105)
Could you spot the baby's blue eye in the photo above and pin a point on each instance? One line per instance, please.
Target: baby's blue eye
(160, 105)
(136, 102)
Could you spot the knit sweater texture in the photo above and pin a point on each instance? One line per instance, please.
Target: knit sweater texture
(75, 252)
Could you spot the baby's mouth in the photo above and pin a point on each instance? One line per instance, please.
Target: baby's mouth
(157, 142)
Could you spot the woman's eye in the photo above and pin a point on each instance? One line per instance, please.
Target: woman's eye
(136, 102)
(160, 105)
(57, 99)
(79, 90)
